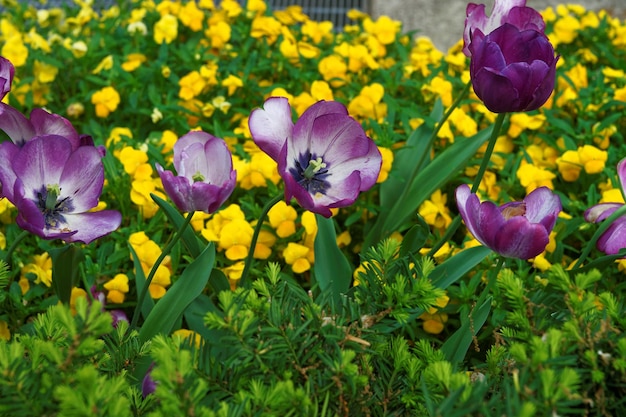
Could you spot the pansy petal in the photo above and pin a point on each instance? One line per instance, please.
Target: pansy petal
(40, 162)
(272, 125)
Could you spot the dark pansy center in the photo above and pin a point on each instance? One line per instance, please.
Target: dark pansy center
(51, 207)
(310, 171)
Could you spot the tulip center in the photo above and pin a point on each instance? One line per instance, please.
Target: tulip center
(310, 171)
(51, 207)
(198, 177)
(517, 209)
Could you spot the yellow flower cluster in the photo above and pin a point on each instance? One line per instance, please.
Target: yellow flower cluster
(147, 252)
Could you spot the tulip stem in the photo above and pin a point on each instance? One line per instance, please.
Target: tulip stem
(491, 279)
(440, 124)
(479, 176)
(175, 238)
(603, 227)
(255, 237)
(16, 242)
(495, 133)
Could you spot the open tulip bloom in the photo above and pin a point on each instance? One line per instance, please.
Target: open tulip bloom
(205, 173)
(53, 185)
(325, 159)
(614, 238)
(517, 229)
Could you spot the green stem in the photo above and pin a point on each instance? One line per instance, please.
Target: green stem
(164, 253)
(431, 140)
(255, 236)
(603, 227)
(16, 242)
(443, 120)
(491, 280)
(495, 133)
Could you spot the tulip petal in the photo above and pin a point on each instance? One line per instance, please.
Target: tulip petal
(542, 206)
(83, 178)
(41, 162)
(614, 238)
(518, 238)
(8, 150)
(601, 211)
(272, 125)
(92, 225)
(17, 127)
(45, 123)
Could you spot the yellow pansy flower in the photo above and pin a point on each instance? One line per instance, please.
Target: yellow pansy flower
(166, 29)
(106, 101)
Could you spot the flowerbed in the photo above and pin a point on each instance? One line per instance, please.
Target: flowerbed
(347, 160)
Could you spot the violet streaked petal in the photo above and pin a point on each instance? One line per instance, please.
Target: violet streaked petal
(501, 13)
(335, 137)
(7, 70)
(518, 238)
(17, 127)
(8, 150)
(367, 165)
(208, 197)
(46, 123)
(489, 223)
(189, 139)
(191, 160)
(29, 216)
(469, 208)
(272, 125)
(218, 160)
(92, 225)
(83, 178)
(542, 206)
(178, 189)
(621, 173)
(599, 212)
(304, 129)
(304, 198)
(41, 162)
(614, 238)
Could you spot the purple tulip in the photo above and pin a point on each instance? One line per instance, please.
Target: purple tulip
(325, 159)
(516, 229)
(614, 238)
(512, 70)
(54, 185)
(148, 385)
(205, 173)
(513, 12)
(6, 76)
